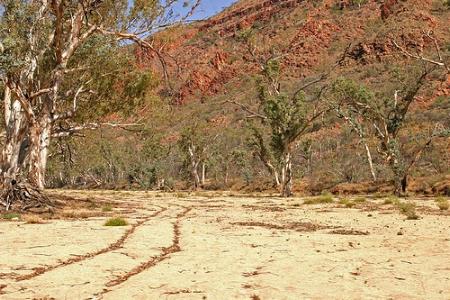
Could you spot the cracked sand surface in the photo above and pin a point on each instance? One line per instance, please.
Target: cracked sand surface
(228, 248)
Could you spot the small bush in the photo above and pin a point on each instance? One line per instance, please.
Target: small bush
(347, 202)
(360, 200)
(391, 200)
(409, 210)
(107, 207)
(10, 216)
(116, 222)
(324, 198)
(442, 203)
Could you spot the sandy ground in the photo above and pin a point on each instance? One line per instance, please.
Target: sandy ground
(205, 247)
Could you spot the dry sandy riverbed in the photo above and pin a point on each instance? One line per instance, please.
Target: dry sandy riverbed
(205, 247)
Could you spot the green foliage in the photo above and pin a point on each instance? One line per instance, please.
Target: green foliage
(10, 216)
(116, 222)
(358, 97)
(272, 70)
(286, 115)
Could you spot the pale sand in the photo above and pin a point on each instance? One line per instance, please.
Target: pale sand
(290, 252)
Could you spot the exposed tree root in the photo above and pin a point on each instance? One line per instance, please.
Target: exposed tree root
(26, 198)
(175, 247)
(116, 245)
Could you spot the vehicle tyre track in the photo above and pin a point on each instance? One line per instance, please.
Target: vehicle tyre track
(165, 254)
(112, 247)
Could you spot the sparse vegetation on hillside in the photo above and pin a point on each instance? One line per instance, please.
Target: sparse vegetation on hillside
(381, 110)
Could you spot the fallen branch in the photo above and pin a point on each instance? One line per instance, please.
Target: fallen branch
(65, 132)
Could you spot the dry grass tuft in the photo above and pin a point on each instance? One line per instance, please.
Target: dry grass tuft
(346, 202)
(181, 195)
(77, 214)
(391, 200)
(409, 210)
(33, 219)
(107, 207)
(442, 203)
(360, 200)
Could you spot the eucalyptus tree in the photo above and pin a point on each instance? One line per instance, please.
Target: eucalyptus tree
(287, 117)
(383, 114)
(351, 115)
(195, 142)
(49, 63)
(387, 114)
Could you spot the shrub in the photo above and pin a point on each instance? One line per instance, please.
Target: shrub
(107, 207)
(116, 222)
(324, 198)
(347, 202)
(409, 210)
(442, 203)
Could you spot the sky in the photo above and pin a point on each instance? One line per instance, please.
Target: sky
(209, 8)
(206, 9)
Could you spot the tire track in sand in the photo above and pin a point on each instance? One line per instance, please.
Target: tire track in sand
(165, 254)
(112, 247)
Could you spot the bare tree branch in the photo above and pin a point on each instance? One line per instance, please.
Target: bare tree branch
(65, 132)
(252, 113)
(421, 57)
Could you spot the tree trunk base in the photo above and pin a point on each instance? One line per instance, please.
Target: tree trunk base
(24, 197)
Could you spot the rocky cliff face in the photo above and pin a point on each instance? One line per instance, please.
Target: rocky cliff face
(205, 57)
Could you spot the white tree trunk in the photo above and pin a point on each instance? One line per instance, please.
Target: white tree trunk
(370, 161)
(194, 166)
(195, 175)
(203, 180)
(286, 178)
(40, 134)
(14, 136)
